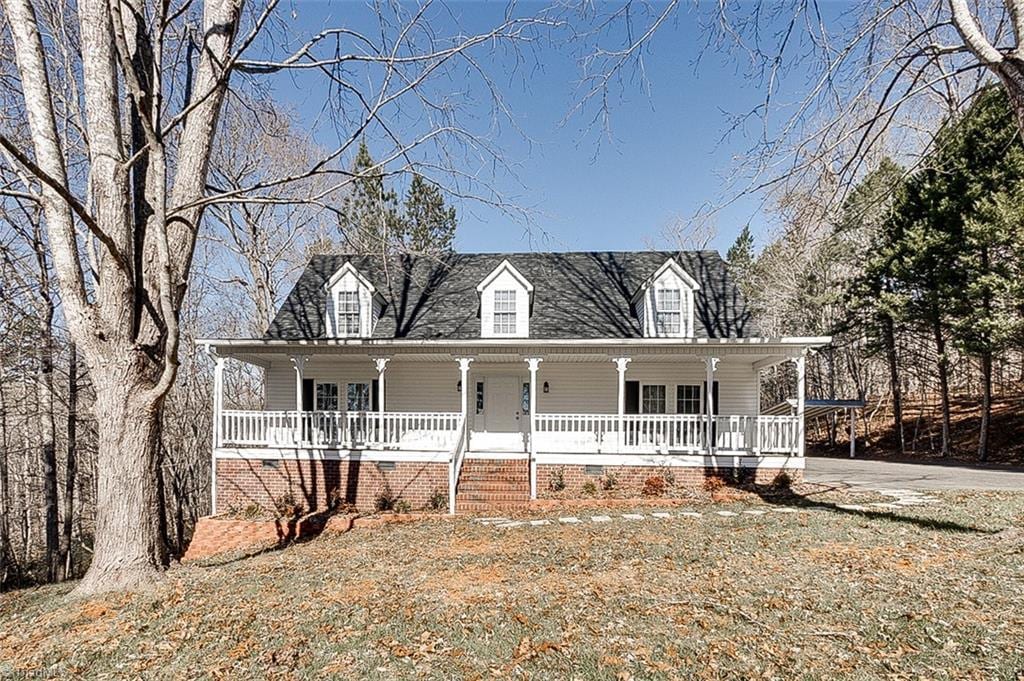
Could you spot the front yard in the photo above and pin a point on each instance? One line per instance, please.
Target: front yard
(918, 592)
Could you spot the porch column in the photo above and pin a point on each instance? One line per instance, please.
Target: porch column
(299, 362)
(381, 363)
(453, 467)
(533, 363)
(620, 365)
(711, 364)
(218, 408)
(801, 398)
(853, 432)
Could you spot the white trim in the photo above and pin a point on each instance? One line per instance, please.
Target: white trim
(505, 265)
(347, 268)
(310, 454)
(783, 342)
(677, 269)
(720, 460)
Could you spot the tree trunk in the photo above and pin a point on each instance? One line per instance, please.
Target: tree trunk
(48, 439)
(125, 552)
(71, 472)
(5, 494)
(889, 339)
(943, 362)
(986, 405)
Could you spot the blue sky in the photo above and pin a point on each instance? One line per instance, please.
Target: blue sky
(665, 159)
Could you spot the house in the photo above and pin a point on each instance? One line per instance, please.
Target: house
(486, 380)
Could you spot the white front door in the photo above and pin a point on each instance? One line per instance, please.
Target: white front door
(500, 427)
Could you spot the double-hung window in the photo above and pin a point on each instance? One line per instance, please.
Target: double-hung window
(348, 313)
(687, 399)
(669, 311)
(358, 397)
(653, 399)
(505, 311)
(327, 397)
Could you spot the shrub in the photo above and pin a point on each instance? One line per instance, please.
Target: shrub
(589, 488)
(782, 482)
(438, 500)
(251, 512)
(287, 506)
(609, 481)
(385, 501)
(557, 481)
(714, 483)
(654, 486)
(403, 506)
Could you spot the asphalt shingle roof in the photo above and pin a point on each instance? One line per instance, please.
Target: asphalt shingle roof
(576, 295)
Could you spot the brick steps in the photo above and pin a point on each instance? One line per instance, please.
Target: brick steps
(487, 485)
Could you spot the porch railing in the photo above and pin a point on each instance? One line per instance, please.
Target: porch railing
(405, 430)
(684, 433)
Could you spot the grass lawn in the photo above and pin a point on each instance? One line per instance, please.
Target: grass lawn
(923, 592)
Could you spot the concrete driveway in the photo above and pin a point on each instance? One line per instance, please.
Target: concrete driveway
(922, 476)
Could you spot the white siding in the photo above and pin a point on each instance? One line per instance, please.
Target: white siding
(647, 305)
(505, 281)
(368, 307)
(583, 388)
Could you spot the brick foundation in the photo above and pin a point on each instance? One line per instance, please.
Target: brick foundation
(319, 485)
(629, 480)
(221, 534)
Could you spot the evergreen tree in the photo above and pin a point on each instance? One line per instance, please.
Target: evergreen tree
(428, 224)
(369, 220)
(740, 258)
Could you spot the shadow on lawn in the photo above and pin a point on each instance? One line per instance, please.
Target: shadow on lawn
(781, 493)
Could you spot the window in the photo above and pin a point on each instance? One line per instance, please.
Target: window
(653, 401)
(505, 311)
(327, 397)
(526, 398)
(669, 309)
(479, 397)
(687, 399)
(358, 397)
(348, 313)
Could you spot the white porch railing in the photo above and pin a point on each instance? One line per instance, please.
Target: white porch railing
(402, 430)
(654, 433)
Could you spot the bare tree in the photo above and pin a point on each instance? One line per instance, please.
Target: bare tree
(123, 183)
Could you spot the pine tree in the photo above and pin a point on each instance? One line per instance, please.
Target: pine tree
(428, 223)
(740, 258)
(369, 220)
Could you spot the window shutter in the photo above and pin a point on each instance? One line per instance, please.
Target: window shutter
(307, 394)
(374, 396)
(632, 397)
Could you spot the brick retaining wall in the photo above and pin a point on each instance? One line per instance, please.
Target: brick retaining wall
(317, 484)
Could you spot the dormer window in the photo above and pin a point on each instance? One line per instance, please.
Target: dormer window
(504, 312)
(348, 313)
(669, 311)
(352, 304)
(664, 302)
(506, 300)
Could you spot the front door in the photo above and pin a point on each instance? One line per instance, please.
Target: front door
(500, 426)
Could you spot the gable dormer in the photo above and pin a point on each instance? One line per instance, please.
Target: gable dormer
(353, 304)
(664, 302)
(506, 299)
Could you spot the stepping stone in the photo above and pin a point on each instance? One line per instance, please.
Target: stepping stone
(883, 504)
(490, 521)
(784, 509)
(601, 519)
(852, 507)
(690, 514)
(726, 514)
(540, 522)
(570, 520)
(515, 523)
(755, 511)
(662, 514)
(632, 516)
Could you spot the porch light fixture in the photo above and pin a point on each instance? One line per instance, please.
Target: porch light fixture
(458, 387)
(547, 388)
